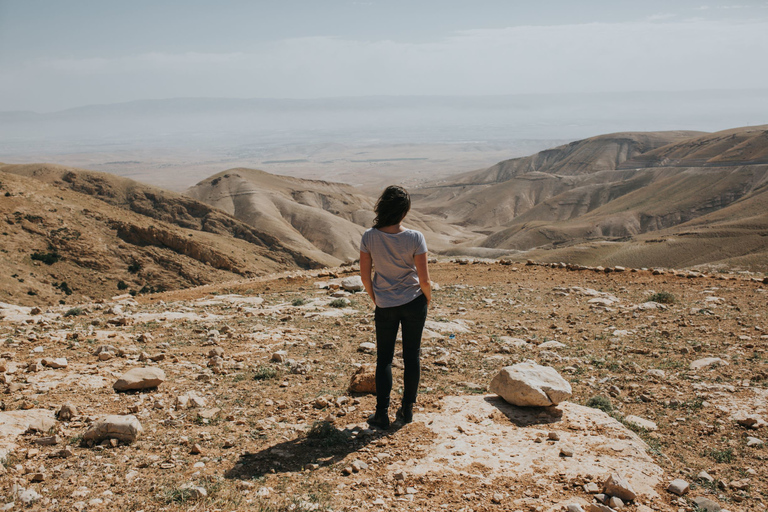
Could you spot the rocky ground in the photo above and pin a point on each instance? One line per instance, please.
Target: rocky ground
(249, 408)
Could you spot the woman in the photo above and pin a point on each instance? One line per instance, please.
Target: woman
(401, 291)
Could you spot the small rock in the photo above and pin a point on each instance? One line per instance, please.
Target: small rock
(280, 356)
(574, 507)
(707, 361)
(706, 505)
(196, 449)
(566, 450)
(703, 475)
(597, 507)
(591, 488)
(58, 363)
(753, 441)
(641, 422)
(358, 465)
(553, 436)
(678, 486)
(618, 486)
(66, 412)
(615, 503)
(367, 347)
(123, 428)
(352, 284)
(140, 378)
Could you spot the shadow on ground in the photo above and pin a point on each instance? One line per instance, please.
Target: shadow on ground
(323, 445)
(526, 416)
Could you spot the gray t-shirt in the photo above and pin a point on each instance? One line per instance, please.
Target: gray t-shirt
(394, 281)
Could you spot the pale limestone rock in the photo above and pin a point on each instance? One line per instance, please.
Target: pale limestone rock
(706, 505)
(641, 422)
(58, 363)
(123, 428)
(616, 485)
(140, 378)
(352, 284)
(707, 361)
(678, 486)
(367, 347)
(530, 384)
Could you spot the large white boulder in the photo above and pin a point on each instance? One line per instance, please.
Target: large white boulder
(530, 384)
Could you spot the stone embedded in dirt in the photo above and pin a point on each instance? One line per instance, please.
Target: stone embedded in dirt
(597, 507)
(194, 492)
(591, 488)
(641, 422)
(615, 503)
(58, 363)
(616, 485)
(753, 441)
(140, 378)
(352, 284)
(123, 428)
(367, 347)
(678, 486)
(190, 400)
(364, 380)
(280, 356)
(105, 349)
(753, 421)
(707, 361)
(703, 475)
(530, 384)
(216, 352)
(574, 507)
(66, 412)
(706, 505)
(566, 450)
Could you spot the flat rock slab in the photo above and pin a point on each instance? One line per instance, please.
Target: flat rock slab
(123, 428)
(15, 423)
(489, 438)
(140, 378)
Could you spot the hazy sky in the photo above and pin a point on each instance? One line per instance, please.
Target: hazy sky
(58, 54)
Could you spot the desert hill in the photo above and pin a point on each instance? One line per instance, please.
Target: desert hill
(68, 231)
(614, 188)
(312, 215)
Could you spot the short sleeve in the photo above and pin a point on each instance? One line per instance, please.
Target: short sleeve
(364, 243)
(421, 244)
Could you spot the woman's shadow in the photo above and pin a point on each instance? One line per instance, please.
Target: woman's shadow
(322, 445)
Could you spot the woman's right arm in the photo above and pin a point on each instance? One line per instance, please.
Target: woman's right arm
(366, 265)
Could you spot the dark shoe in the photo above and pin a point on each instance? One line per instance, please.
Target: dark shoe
(404, 414)
(379, 421)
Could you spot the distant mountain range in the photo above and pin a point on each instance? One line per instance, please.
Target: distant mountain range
(671, 199)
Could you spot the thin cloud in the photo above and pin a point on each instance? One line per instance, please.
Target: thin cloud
(646, 55)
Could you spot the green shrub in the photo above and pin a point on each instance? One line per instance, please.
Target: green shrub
(73, 312)
(721, 456)
(134, 267)
(299, 302)
(49, 258)
(339, 303)
(600, 402)
(265, 373)
(662, 298)
(122, 285)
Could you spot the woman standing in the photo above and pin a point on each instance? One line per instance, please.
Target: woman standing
(401, 291)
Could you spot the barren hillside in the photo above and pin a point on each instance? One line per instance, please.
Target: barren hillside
(62, 236)
(614, 188)
(310, 215)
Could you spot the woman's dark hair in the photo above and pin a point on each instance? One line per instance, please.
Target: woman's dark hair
(392, 206)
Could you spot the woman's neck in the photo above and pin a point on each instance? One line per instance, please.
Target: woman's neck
(395, 228)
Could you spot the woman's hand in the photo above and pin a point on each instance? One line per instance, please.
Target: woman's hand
(366, 266)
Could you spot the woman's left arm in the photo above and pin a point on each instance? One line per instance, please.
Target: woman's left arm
(422, 271)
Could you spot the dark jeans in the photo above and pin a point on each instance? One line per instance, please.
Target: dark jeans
(412, 317)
